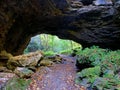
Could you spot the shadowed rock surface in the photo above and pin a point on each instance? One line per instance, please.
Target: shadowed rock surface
(89, 25)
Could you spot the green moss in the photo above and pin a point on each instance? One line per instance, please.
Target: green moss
(17, 84)
(106, 64)
(90, 73)
(91, 56)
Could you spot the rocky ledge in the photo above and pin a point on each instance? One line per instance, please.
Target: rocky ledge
(85, 24)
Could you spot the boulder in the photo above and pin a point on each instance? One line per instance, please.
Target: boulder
(17, 83)
(56, 58)
(26, 60)
(46, 63)
(23, 72)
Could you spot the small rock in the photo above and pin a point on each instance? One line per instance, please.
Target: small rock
(85, 82)
(56, 58)
(76, 4)
(23, 72)
(46, 63)
(99, 83)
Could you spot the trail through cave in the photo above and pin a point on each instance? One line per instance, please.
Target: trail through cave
(57, 77)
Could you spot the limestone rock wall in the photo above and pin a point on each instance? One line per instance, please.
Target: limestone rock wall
(88, 25)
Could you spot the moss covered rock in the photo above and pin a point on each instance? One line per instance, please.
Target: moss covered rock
(17, 84)
(26, 60)
(104, 73)
(46, 63)
(23, 72)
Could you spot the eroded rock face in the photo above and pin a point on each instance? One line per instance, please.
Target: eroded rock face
(89, 25)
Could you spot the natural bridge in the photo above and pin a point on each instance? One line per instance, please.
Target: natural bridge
(85, 24)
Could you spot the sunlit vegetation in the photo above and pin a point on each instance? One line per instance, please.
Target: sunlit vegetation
(103, 68)
(51, 44)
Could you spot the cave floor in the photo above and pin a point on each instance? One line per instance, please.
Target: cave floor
(60, 76)
(56, 77)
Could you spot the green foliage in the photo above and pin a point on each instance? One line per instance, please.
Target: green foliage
(49, 53)
(51, 43)
(70, 51)
(111, 61)
(91, 56)
(66, 52)
(106, 65)
(90, 73)
(17, 84)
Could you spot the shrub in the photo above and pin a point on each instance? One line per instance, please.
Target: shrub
(90, 73)
(92, 56)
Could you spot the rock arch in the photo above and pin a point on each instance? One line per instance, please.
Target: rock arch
(89, 25)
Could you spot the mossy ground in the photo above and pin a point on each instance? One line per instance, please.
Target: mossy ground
(17, 84)
(105, 68)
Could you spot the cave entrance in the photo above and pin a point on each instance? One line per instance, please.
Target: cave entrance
(50, 43)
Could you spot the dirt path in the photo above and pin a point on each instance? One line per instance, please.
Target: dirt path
(57, 77)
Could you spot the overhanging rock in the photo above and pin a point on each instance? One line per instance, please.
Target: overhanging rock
(89, 25)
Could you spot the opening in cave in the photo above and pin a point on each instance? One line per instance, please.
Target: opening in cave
(51, 44)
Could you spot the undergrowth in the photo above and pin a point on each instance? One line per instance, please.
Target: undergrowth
(104, 71)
